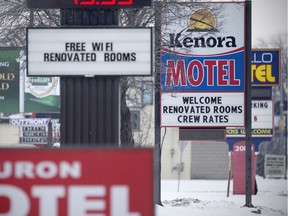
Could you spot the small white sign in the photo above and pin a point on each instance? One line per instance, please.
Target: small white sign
(262, 114)
(29, 122)
(262, 120)
(274, 165)
(89, 51)
(202, 109)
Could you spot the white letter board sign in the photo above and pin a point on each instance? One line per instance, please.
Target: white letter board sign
(89, 51)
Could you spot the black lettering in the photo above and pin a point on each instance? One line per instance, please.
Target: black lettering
(201, 40)
(79, 46)
(185, 100)
(46, 57)
(125, 57)
(196, 119)
(175, 42)
(198, 42)
(62, 57)
(97, 46)
(205, 118)
(211, 42)
(109, 46)
(165, 109)
(106, 57)
(240, 109)
(76, 57)
(220, 41)
(232, 42)
(133, 56)
(188, 42)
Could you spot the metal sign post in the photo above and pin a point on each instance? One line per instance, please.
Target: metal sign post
(90, 105)
(248, 139)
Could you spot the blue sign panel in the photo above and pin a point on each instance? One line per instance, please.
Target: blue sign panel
(223, 72)
(266, 67)
(255, 141)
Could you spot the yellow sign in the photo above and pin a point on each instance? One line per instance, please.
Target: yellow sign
(263, 73)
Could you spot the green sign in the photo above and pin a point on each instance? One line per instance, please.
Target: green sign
(42, 94)
(9, 80)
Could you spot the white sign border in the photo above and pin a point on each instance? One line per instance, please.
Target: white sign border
(128, 71)
(194, 95)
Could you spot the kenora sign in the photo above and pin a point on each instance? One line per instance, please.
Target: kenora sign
(203, 82)
(76, 182)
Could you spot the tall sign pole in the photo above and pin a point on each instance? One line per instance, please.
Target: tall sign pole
(248, 139)
(157, 99)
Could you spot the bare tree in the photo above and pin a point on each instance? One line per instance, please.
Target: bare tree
(132, 18)
(15, 17)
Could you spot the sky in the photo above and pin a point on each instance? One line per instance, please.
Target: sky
(269, 17)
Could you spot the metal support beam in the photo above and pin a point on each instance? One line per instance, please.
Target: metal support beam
(157, 99)
(90, 106)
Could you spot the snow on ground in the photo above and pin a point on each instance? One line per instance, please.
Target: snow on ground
(209, 198)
